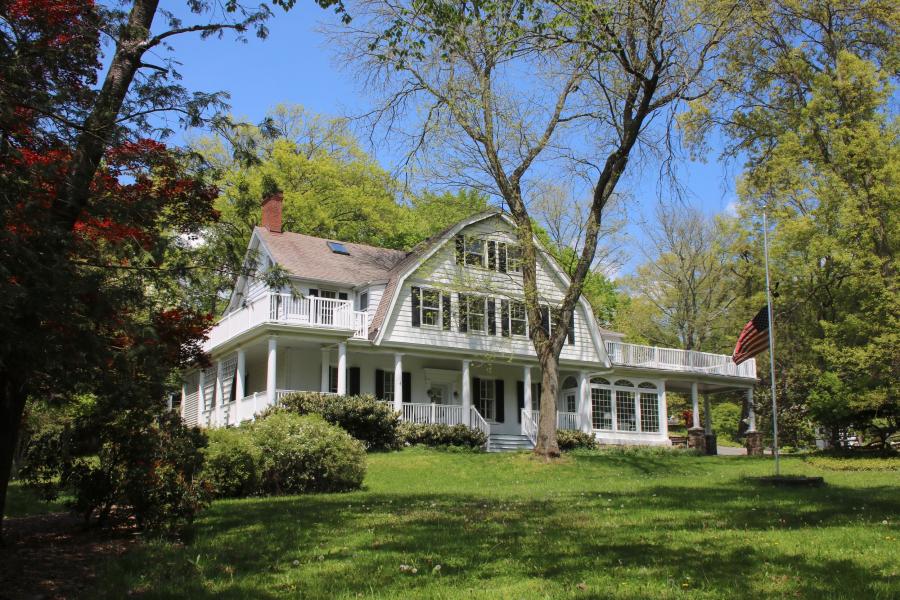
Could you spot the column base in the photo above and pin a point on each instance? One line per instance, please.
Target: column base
(697, 439)
(754, 443)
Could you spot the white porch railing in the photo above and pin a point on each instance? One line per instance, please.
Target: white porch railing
(673, 359)
(476, 421)
(310, 311)
(444, 414)
(530, 424)
(564, 420)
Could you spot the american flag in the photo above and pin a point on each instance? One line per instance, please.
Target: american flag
(753, 338)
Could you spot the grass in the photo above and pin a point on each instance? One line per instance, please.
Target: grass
(632, 524)
(22, 502)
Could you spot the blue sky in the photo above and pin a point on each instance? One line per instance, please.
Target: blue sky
(294, 65)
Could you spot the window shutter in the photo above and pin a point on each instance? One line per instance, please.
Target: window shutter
(416, 301)
(407, 387)
(492, 255)
(545, 319)
(445, 315)
(504, 318)
(460, 250)
(379, 384)
(571, 338)
(491, 316)
(353, 381)
(501, 257)
(342, 295)
(500, 408)
(463, 313)
(520, 399)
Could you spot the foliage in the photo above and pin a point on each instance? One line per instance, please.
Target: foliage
(148, 467)
(306, 454)
(232, 463)
(569, 439)
(437, 435)
(854, 461)
(508, 525)
(373, 423)
(726, 418)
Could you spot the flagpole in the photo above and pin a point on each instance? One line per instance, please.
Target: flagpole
(771, 343)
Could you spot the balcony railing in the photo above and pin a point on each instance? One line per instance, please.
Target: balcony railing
(310, 311)
(672, 359)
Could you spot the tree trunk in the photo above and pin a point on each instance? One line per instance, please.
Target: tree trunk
(547, 444)
(12, 406)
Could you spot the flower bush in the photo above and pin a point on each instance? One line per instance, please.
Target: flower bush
(572, 440)
(436, 435)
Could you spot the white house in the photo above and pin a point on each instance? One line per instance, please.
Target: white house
(441, 333)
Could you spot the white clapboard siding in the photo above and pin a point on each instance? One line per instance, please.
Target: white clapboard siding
(441, 271)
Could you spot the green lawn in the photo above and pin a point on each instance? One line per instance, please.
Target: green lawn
(611, 525)
(22, 502)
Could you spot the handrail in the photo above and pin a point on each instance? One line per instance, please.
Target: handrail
(476, 421)
(529, 425)
(674, 359)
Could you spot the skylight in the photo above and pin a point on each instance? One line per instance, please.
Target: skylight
(338, 248)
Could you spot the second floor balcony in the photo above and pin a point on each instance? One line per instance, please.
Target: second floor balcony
(672, 359)
(287, 309)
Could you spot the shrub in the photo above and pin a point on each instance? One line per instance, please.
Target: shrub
(436, 435)
(306, 454)
(726, 418)
(373, 423)
(571, 440)
(144, 465)
(232, 463)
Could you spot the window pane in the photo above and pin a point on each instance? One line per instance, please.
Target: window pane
(517, 323)
(475, 252)
(624, 383)
(571, 403)
(476, 313)
(388, 385)
(514, 259)
(485, 400)
(649, 412)
(601, 409)
(625, 413)
(431, 311)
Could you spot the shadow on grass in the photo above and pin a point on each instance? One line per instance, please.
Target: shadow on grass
(671, 537)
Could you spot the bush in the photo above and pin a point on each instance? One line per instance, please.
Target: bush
(572, 440)
(232, 463)
(144, 465)
(436, 435)
(306, 454)
(726, 418)
(373, 423)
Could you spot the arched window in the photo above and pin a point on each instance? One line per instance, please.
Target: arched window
(647, 385)
(570, 383)
(599, 381)
(624, 383)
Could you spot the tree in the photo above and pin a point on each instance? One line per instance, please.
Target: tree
(90, 210)
(602, 70)
(685, 289)
(809, 92)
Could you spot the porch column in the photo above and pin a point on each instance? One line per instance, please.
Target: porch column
(200, 399)
(584, 403)
(695, 406)
(239, 391)
(526, 376)
(751, 412)
(325, 383)
(342, 369)
(663, 410)
(184, 394)
(271, 366)
(466, 392)
(707, 426)
(219, 393)
(398, 382)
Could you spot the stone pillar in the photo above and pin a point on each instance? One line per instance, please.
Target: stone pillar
(271, 373)
(342, 369)
(697, 439)
(584, 403)
(467, 391)
(752, 439)
(398, 382)
(707, 426)
(325, 382)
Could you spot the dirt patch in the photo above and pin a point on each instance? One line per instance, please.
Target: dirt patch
(54, 557)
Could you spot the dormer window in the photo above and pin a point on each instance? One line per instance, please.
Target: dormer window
(474, 252)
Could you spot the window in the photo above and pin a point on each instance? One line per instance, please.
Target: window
(535, 396)
(475, 313)
(518, 323)
(599, 380)
(601, 408)
(387, 379)
(363, 301)
(332, 379)
(649, 412)
(431, 308)
(513, 259)
(625, 411)
(485, 401)
(474, 252)
(571, 403)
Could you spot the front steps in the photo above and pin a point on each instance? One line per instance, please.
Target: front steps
(505, 442)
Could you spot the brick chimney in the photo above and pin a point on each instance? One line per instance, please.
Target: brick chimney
(271, 212)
